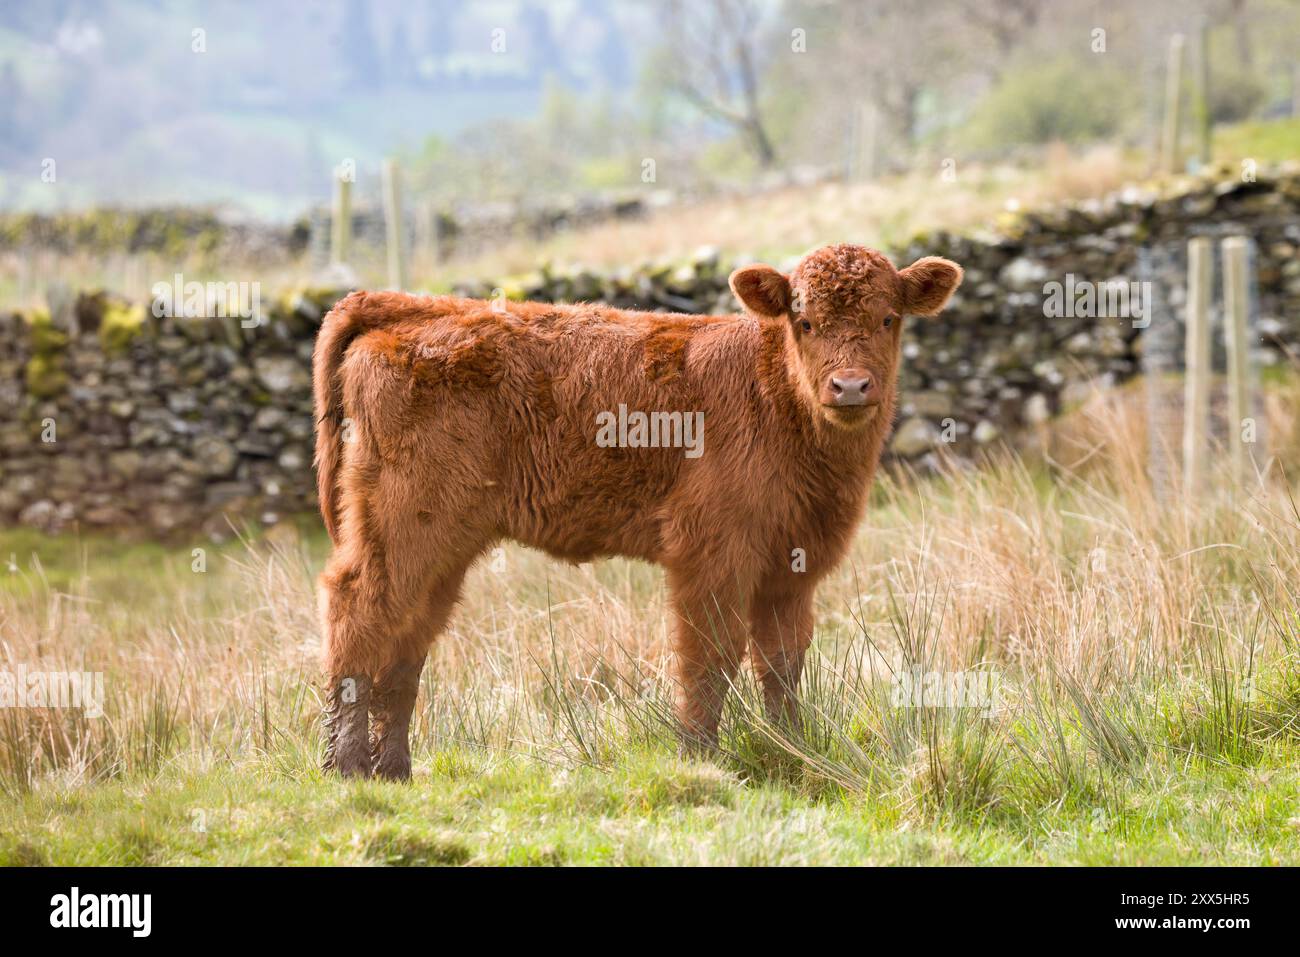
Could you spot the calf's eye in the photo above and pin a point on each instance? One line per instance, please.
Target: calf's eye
(889, 321)
(807, 326)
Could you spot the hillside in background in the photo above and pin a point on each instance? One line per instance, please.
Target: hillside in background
(133, 112)
(253, 105)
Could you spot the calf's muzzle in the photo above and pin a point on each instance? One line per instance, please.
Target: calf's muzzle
(854, 387)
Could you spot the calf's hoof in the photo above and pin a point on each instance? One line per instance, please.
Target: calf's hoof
(697, 745)
(392, 765)
(348, 766)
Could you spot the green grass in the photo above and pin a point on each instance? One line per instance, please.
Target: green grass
(649, 808)
(32, 559)
(1274, 141)
(132, 571)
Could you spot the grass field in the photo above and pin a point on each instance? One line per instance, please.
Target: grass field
(1144, 654)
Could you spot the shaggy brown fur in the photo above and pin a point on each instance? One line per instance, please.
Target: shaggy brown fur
(446, 425)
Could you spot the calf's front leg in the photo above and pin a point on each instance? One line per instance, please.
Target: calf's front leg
(708, 643)
(782, 624)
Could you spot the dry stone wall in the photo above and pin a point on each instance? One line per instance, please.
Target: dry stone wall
(111, 418)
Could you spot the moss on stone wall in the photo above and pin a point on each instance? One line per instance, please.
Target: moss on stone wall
(169, 232)
(44, 373)
(120, 324)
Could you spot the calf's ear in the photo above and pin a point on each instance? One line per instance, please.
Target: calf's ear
(928, 284)
(763, 290)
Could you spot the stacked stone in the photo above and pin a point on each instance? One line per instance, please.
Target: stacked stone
(111, 418)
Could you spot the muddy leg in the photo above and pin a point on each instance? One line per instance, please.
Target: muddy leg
(399, 682)
(357, 628)
(392, 703)
(347, 709)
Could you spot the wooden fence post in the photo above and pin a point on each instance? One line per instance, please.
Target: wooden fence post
(868, 126)
(1202, 102)
(393, 224)
(1236, 303)
(60, 303)
(1173, 105)
(1196, 400)
(440, 249)
(852, 137)
(24, 276)
(341, 221)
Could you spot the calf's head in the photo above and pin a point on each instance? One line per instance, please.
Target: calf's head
(843, 308)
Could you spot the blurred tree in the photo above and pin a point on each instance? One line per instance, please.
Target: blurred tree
(1043, 102)
(879, 55)
(1235, 95)
(1006, 22)
(711, 59)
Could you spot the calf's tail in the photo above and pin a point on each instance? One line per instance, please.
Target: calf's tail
(348, 319)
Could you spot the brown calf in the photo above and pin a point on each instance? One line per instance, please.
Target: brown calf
(447, 425)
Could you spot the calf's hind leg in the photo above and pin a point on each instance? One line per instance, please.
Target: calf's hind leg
(391, 705)
(346, 705)
(398, 683)
(378, 620)
(356, 617)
